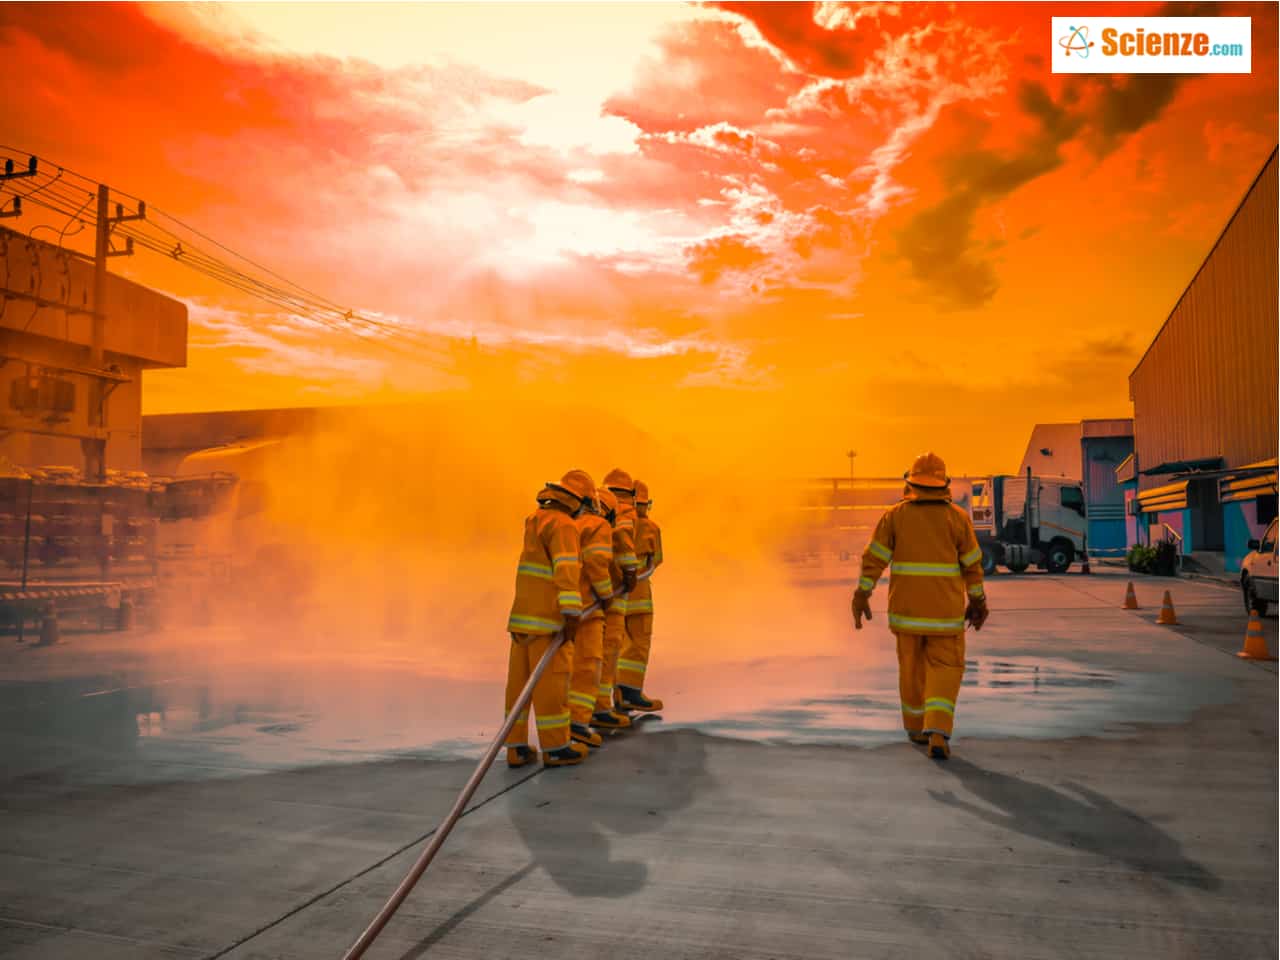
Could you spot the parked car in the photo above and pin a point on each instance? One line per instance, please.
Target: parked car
(1258, 572)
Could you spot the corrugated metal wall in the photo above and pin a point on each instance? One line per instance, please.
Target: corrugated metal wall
(1207, 385)
(1101, 456)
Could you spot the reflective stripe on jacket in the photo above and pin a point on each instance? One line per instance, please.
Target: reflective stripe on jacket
(596, 542)
(649, 553)
(547, 576)
(934, 562)
(624, 549)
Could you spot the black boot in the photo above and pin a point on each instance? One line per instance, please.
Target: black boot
(633, 699)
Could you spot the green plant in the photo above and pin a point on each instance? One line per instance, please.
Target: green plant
(1141, 558)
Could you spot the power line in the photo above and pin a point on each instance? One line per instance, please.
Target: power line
(61, 192)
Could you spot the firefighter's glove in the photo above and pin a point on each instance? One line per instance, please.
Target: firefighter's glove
(861, 608)
(628, 580)
(570, 628)
(976, 613)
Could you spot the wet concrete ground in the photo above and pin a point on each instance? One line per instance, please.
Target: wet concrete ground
(1113, 793)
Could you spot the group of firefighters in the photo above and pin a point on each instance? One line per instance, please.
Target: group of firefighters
(584, 573)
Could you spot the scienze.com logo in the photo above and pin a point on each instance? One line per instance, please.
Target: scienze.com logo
(1152, 45)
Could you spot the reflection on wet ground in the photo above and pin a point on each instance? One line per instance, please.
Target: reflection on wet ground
(190, 714)
(1027, 697)
(190, 728)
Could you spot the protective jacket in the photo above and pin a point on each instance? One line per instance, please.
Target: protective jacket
(649, 553)
(624, 550)
(547, 578)
(935, 560)
(596, 540)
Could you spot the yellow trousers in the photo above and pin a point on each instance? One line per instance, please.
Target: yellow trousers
(550, 696)
(615, 637)
(930, 669)
(634, 659)
(584, 685)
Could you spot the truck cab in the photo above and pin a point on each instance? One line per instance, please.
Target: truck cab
(1046, 527)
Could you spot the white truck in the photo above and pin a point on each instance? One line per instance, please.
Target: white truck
(1014, 530)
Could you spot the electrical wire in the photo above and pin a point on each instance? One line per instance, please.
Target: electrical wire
(295, 297)
(300, 302)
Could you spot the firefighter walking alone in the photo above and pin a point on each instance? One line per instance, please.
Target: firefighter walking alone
(936, 567)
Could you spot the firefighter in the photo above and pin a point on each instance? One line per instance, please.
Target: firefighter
(547, 601)
(618, 482)
(634, 659)
(595, 534)
(936, 565)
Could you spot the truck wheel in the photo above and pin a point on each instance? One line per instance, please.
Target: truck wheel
(1058, 557)
(1020, 567)
(988, 561)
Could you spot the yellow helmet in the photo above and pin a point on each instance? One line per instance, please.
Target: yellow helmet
(928, 470)
(579, 483)
(619, 481)
(608, 503)
(642, 493)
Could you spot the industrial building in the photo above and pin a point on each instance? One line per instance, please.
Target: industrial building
(77, 517)
(47, 384)
(1203, 469)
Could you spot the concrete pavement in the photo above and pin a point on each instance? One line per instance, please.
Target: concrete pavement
(1122, 803)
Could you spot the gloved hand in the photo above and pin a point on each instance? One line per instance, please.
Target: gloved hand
(628, 580)
(570, 628)
(861, 608)
(976, 612)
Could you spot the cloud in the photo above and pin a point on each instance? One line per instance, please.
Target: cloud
(711, 258)
(939, 240)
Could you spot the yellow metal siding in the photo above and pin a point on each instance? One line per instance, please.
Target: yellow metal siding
(1207, 385)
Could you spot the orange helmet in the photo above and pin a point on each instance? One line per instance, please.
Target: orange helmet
(579, 483)
(608, 503)
(619, 481)
(642, 493)
(928, 471)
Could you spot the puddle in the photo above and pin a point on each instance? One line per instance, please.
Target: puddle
(246, 719)
(1025, 697)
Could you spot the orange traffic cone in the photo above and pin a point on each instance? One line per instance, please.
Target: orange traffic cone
(1130, 598)
(1255, 644)
(1167, 616)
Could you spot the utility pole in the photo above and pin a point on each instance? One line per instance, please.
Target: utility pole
(10, 173)
(95, 446)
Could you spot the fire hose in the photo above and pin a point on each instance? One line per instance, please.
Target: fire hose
(437, 839)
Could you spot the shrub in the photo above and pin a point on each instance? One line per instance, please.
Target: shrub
(1141, 558)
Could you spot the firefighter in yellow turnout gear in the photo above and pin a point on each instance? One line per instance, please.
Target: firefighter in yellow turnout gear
(623, 570)
(595, 529)
(634, 659)
(547, 601)
(936, 568)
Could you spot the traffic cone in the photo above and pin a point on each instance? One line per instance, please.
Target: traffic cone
(1167, 616)
(1255, 644)
(1084, 564)
(1130, 598)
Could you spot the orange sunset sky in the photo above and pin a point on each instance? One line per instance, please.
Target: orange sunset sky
(806, 226)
